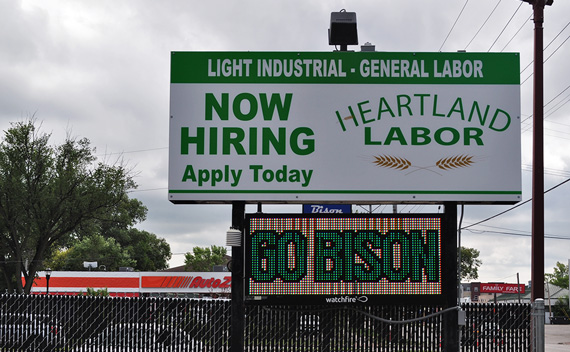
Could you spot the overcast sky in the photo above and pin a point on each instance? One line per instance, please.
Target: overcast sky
(101, 70)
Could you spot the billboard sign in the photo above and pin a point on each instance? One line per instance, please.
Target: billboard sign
(325, 127)
(345, 258)
(501, 288)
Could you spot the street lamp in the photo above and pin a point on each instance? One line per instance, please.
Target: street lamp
(48, 275)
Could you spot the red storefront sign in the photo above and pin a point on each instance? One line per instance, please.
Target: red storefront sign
(224, 282)
(502, 288)
(133, 283)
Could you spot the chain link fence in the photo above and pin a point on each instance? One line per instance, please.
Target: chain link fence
(84, 323)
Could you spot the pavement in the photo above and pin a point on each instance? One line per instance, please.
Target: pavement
(557, 338)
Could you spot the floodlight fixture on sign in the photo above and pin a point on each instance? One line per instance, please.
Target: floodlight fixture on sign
(343, 30)
(546, 2)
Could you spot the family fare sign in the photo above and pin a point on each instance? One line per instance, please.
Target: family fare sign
(290, 127)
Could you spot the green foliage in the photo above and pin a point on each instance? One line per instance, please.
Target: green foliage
(560, 308)
(149, 252)
(48, 192)
(469, 263)
(138, 249)
(102, 292)
(560, 275)
(204, 258)
(105, 251)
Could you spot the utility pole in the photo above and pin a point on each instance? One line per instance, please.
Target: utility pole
(537, 260)
(537, 266)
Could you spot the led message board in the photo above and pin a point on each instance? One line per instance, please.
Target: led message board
(344, 258)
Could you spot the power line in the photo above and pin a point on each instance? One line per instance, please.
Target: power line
(454, 23)
(555, 237)
(132, 151)
(505, 27)
(485, 22)
(545, 105)
(513, 37)
(555, 108)
(514, 230)
(514, 207)
(555, 50)
(553, 39)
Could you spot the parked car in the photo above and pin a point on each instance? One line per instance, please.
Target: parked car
(138, 337)
(30, 332)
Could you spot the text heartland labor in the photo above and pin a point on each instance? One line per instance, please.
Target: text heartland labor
(214, 138)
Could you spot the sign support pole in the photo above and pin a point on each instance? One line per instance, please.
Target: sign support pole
(449, 261)
(237, 304)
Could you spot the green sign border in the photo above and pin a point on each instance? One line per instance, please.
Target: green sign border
(193, 67)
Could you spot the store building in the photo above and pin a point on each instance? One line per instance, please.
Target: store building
(135, 284)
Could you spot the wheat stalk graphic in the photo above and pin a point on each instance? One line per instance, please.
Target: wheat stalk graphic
(392, 162)
(446, 164)
(454, 162)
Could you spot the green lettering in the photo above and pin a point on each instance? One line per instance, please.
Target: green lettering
(186, 139)
(430, 256)
(472, 133)
(363, 112)
(420, 136)
(263, 268)
(255, 169)
(371, 268)
(292, 249)
(396, 256)
(213, 104)
(269, 138)
(384, 107)
(457, 107)
(482, 118)
(237, 106)
(421, 96)
(268, 108)
(455, 136)
(309, 144)
(507, 121)
(395, 134)
(233, 136)
(435, 113)
(404, 105)
(328, 258)
(189, 174)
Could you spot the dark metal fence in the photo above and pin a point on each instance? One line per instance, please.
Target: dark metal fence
(496, 327)
(80, 323)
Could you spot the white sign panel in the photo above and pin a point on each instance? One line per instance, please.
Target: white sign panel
(344, 127)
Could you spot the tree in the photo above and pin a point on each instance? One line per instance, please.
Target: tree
(469, 263)
(105, 251)
(560, 308)
(149, 252)
(204, 258)
(47, 192)
(560, 275)
(141, 250)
